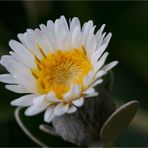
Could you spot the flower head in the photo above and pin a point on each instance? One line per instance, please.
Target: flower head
(56, 66)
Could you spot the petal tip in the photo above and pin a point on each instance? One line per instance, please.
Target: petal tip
(13, 103)
(27, 112)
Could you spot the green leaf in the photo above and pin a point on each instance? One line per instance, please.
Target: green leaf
(30, 126)
(117, 122)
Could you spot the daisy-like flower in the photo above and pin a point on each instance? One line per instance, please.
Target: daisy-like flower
(56, 66)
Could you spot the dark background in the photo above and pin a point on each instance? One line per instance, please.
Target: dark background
(128, 21)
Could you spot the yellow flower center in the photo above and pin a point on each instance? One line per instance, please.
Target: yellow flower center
(57, 71)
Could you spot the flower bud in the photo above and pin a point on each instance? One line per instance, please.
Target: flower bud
(83, 127)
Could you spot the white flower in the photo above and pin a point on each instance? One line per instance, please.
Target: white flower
(57, 66)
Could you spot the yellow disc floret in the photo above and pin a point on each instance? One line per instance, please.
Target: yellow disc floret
(58, 70)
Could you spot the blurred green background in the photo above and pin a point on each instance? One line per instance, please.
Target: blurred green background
(128, 21)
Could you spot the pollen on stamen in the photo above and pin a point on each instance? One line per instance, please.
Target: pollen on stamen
(34, 74)
(59, 70)
(38, 66)
(41, 50)
(37, 59)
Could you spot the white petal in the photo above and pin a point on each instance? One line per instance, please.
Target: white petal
(79, 102)
(18, 89)
(97, 82)
(97, 54)
(74, 22)
(88, 31)
(90, 45)
(47, 34)
(107, 39)
(30, 42)
(42, 40)
(7, 78)
(94, 94)
(110, 66)
(87, 27)
(35, 109)
(100, 39)
(99, 32)
(68, 96)
(18, 47)
(88, 79)
(74, 92)
(64, 23)
(51, 34)
(21, 60)
(72, 109)
(52, 97)
(102, 28)
(22, 52)
(49, 114)
(61, 109)
(76, 37)
(24, 101)
(24, 78)
(12, 65)
(61, 32)
(99, 74)
(39, 100)
(77, 91)
(101, 62)
(27, 80)
(89, 91)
